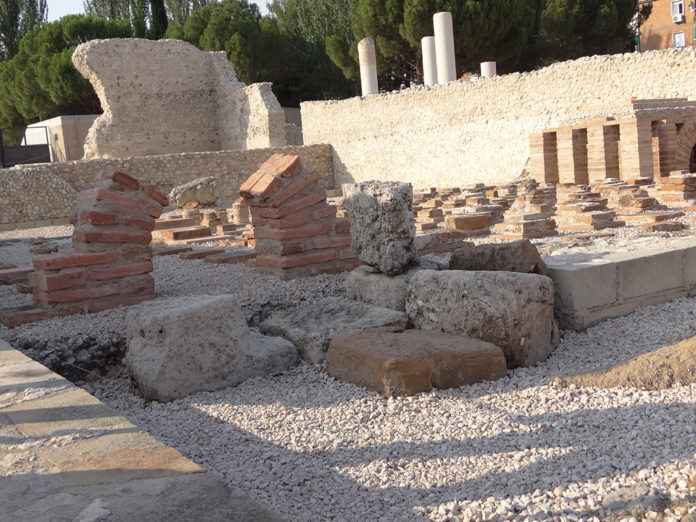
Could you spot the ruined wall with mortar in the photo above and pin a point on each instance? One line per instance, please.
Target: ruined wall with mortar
(46, 194)
(478, 131)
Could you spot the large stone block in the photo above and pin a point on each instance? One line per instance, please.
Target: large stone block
(311, 326)
(364, 284)
(513, 256)
(513, 311)
(181, 346)
(413, 361)
(382, 224)
(201, 192)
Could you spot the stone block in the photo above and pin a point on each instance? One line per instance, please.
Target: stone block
(201, 192)
(365, 285)
(311, 326)
(382, 224)
(181, 346)
(513, 311)
(414, 361)
(514, 256)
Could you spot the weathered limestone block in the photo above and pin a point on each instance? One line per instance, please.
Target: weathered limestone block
(201, 192)
(513, 311)
(514, 256)
(382, 224)
(201, 343)
(413, 361)
(365, 285)
(311, 326)
(167, 96)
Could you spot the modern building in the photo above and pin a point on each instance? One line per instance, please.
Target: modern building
(65, 135)
(669, 25)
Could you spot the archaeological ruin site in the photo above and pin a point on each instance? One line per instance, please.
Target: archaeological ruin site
(468, 300)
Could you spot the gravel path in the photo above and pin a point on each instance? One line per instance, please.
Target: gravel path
(315, 449)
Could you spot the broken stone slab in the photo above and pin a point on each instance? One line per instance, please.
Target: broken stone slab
(368, 286)
(414, 361)
(513, 311)
(181, 346)
(382, 224)
(513, 256)
(201, 192)
(311, 326)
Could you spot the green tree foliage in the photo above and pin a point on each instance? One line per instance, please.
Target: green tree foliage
(41, 82)
(111, 9)
(18, 17)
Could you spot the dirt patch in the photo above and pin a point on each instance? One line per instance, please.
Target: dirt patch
(665, 368)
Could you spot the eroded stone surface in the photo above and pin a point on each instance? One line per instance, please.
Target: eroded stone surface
(514, 256)
(167, 96)
(513, 311)
(199, 343)
(413, 361)
(366, 285)
(201, 192)
(311, 326)
(382, 224)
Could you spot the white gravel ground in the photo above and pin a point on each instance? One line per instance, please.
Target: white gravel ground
(520, 448)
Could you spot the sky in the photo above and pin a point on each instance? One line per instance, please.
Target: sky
(58, 8)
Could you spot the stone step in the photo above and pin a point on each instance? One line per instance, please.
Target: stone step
(182, 234)
(228, 239)
(166, 224)
(229, 229)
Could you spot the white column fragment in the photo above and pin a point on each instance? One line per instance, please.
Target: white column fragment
(429, 61)
(367, 56)
(444, 47)
(489, 69)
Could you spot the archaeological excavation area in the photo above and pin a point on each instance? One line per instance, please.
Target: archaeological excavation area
(469, 301)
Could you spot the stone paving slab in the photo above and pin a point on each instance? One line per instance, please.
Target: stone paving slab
(65, 456)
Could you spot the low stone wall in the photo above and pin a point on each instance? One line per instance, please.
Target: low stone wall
(478, 130)
(46, 194)
(597, 286)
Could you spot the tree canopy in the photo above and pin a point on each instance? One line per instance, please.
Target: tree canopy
(17, 18)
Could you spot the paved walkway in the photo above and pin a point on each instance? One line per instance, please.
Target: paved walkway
(65, 456)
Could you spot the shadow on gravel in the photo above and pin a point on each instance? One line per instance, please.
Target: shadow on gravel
(585, 445)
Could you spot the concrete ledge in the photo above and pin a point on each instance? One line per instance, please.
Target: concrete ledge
(65, 456)
(597, 286)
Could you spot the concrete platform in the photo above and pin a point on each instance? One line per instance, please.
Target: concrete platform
(65, 456)
(597, 286)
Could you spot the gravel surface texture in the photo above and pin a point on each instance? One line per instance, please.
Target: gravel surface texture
(519, 448)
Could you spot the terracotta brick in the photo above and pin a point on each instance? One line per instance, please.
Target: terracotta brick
(120, 271)
(333, 241)
(125, 286)
(71, 259)
(298, 260)
(292, 206)
(95, 217)
(307, 231)
(296, 186)
(59, 280)
(110, 235)
(303, 217)
(13, 317)
(153, 193)
(122, 179)
(280, 248)
(200, 254)
(117, 301)
(143, 224)
(268, 178)
(128, 203)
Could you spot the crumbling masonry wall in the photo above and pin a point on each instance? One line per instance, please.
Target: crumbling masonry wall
(46, 194)
(478, 131)
(167, 96)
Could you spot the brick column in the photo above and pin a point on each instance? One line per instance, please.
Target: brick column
(572, 156)
(602, 151)
(636, 148)
(664, 149)
(543, 157)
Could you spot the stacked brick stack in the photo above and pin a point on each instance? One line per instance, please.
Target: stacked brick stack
(677, 190)
(296, 231)
(580, 209)
(110, 263)
(530, 214)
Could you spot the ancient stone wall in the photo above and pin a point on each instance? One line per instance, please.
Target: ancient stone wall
(37, 195)
(478, 130)
(167, 96)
